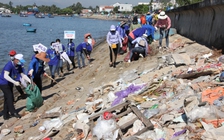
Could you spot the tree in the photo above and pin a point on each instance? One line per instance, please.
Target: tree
(10, 4)
(115, 10)
(66, 11)
(78, 8)
(97, 8)
(141, 9)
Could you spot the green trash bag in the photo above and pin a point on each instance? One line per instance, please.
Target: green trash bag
(34, 98)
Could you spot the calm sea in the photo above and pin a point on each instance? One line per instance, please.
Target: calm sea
(13, 34)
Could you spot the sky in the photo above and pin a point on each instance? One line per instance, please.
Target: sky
(66, 3)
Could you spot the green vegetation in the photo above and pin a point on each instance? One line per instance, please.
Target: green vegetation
(77, 8)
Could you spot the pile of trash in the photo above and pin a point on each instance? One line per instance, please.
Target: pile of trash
(184, 102)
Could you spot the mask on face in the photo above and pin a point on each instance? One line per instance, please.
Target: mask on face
(89, 41)
(11, 57)
(19, 63)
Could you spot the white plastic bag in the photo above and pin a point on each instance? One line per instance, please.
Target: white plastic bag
(104, 129)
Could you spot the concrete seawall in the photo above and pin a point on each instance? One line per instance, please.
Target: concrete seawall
(202, 22)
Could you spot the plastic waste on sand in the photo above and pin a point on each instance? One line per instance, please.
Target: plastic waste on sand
(124, 93)
(104, 129)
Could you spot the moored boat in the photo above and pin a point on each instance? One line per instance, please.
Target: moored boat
(40, 15)
(6, 15)
(27, 24)
(31, 29)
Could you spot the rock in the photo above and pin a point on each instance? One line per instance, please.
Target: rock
(18, 129)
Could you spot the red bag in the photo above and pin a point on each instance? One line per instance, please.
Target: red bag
(125, 44)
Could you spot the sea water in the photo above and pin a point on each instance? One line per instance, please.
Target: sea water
(13, 34)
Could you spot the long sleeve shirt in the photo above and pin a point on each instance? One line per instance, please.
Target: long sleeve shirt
(163, 23)
(137, 40)
(113, 38)
(150, 30)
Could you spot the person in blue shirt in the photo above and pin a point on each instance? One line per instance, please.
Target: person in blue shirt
(149, 18)
(150, 30)
(90, 43)
(60, 64)
(36, 68)
(12, 54)
(80, 50)
(53, 63)
(133, 35)
(7, 79)
(70, 50)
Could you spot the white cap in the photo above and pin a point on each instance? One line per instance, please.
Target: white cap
(20, 58)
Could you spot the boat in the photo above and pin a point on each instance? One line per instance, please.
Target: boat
(39, 15)
(27, 24)
(50, 16)
(23, 14)
(6, 15)
(31, 29)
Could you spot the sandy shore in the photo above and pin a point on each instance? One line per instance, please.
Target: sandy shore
(72, 92)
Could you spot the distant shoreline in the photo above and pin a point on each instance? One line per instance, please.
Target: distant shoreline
(103, 17)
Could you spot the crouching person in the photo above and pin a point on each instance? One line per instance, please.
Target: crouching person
(141, 47)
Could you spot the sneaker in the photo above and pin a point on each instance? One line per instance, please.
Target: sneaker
(129, 61)
(16, 115)
(141, 55)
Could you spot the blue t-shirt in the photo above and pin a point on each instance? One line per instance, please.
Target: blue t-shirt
(139, 32)
(150, 30)
(81, 46)
(14, 72)
(88, 47)
(53, 56)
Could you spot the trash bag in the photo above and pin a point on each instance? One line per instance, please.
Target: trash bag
(34, 98)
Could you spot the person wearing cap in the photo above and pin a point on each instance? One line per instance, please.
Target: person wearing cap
(53, 63)
(113, 40)
(12, 54)
(36, 68)
(164, 24)
(141, 47)
(133, 35)
(90, 43)
(70, 50)
(60, 51)
(149, 18)
(7, 79)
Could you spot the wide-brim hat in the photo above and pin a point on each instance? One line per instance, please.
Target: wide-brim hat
(42, 56)
(162, 15)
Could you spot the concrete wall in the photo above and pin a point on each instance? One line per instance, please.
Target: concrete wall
(202, 22)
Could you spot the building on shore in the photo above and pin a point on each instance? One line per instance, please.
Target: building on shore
(123, 7)
(4, 10)
(106, 8)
